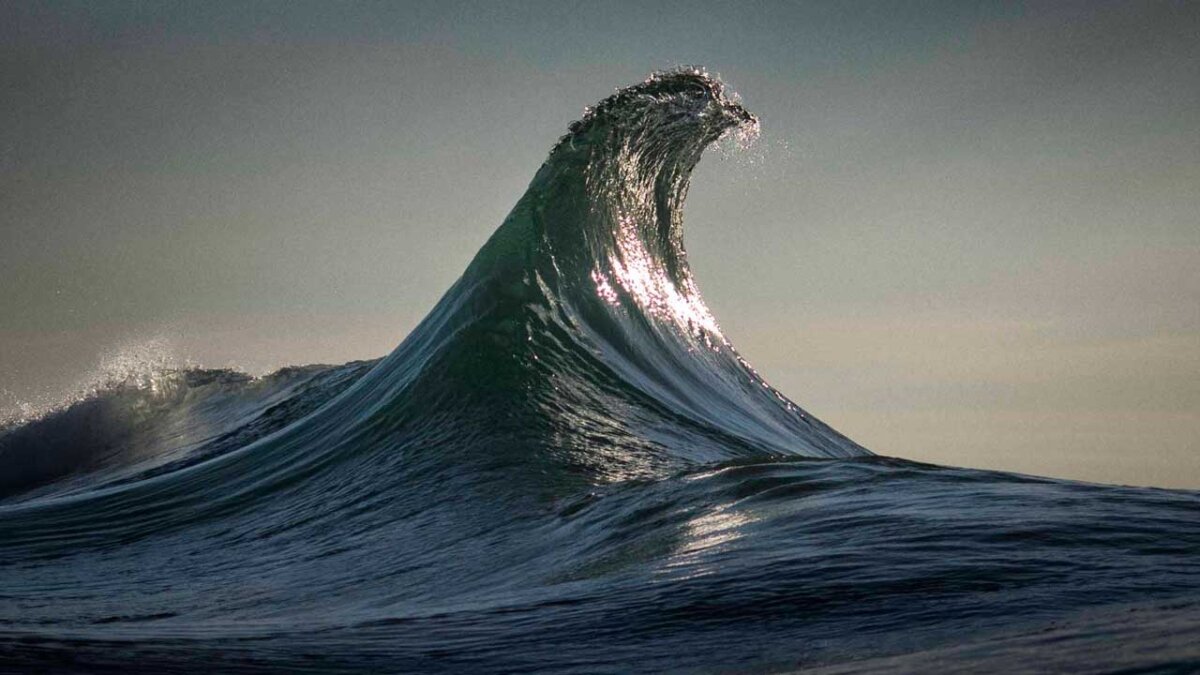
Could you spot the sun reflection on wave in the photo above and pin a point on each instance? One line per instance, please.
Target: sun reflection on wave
(637, 272)
(708, 533)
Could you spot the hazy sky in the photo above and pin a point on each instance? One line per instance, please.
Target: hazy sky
(969, 235)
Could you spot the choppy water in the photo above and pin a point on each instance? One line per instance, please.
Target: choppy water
(565, 467)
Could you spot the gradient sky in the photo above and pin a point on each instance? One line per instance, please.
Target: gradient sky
(969, 235)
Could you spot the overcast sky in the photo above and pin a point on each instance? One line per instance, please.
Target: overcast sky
(970, 233)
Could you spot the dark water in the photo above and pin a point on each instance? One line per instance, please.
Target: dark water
(565, 467)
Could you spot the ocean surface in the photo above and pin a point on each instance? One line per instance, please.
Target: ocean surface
(564, 468)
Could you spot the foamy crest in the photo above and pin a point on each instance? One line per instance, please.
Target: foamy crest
(144, 364)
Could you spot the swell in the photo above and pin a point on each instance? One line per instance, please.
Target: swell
(750, 565)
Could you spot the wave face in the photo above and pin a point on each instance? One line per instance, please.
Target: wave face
(564, 467)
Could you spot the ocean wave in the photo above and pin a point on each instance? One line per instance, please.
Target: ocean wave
(564, 467)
